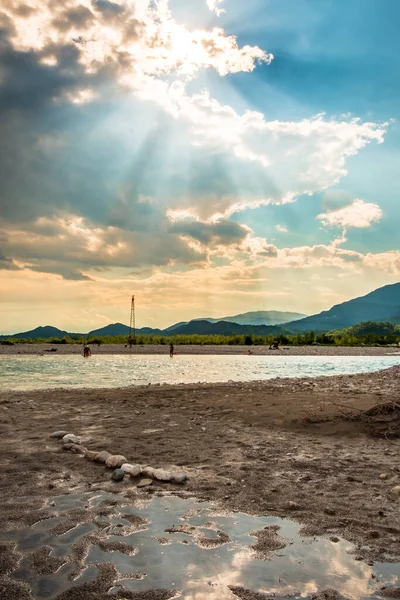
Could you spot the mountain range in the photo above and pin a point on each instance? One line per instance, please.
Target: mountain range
(381, 305)
(230, 326)
(259, 317)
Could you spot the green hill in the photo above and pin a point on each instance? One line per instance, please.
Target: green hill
(225, 328)
(41, 333)
(380, 305)
(115, 329)
(369, 328)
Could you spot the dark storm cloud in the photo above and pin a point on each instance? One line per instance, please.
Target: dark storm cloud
(29, 86)
(39, 131)
(47, 161)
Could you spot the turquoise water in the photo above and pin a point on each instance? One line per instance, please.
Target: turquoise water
(44, 372)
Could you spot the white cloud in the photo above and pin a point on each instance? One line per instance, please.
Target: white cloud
(285, 159)
(281, 228)
(358, 214)
(153, 56)
(138, 39)
(192, 252)
(316, 147)
(214, 6)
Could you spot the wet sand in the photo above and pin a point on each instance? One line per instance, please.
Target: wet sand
(287, 448)
(206, 349)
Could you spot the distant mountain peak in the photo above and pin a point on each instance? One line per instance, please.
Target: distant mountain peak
(206, 327)
(258, 317)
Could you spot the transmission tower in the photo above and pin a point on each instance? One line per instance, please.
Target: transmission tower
(132, 325)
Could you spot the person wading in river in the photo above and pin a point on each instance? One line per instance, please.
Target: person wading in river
(86, 352)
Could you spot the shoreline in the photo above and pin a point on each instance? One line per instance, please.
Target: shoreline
(160, 349)
(293, 448)
(281, 382)
(175, 378)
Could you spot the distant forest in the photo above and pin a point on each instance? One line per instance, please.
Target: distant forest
(369, 333)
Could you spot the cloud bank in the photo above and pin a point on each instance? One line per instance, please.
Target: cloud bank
(113, 171)
(358, 214)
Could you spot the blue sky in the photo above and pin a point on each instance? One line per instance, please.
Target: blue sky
(336, 58)
(209, 163)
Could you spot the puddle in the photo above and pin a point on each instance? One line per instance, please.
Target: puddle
(184, 545)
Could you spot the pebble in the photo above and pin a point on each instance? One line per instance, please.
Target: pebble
(71, 438)
(118, 475)
(78, 449)
(334, 539)
(115, 460)
(144, 483)
(91, 455)
(67, 446)
(374, 534)
(148, 471)
(396, 490)
(383, 476)
(162, 475)
(114, 591)
(58, 434)
(102, 456)
(179, 477)
(132, 470)
(293, 505)
(306, 478)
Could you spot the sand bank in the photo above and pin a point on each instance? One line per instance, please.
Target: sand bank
(283, 447)
(206, 349)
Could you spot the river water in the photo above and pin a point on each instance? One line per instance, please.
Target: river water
(72, 371)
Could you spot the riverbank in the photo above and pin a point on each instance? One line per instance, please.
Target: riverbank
(291, 448)
(206, 349)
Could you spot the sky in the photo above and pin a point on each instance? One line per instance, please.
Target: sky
(211, 157)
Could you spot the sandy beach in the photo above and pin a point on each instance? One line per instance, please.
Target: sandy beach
(303, 449)
(206, 349)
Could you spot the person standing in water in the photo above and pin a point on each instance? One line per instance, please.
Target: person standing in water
(86, 351)
(171, 350)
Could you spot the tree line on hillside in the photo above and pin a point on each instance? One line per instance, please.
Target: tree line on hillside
(368, 333)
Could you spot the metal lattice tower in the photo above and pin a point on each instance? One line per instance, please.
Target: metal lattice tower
(132, 326)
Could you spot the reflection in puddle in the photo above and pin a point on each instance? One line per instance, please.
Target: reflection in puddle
(178, 544)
